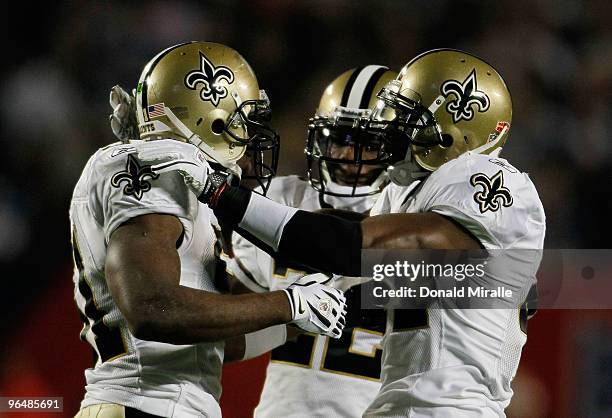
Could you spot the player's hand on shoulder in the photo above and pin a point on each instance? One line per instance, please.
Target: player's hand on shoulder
(171, 155)
(317, 307)
(190, 162)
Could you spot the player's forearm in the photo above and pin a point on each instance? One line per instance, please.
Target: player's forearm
(323, 242)
(143, 271)
(187, 316)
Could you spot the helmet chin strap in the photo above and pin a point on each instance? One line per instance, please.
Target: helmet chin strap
(485, 147)
(375, 186)
(194, 139)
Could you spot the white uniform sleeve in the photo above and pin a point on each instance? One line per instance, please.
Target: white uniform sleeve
(496, 202)
(130, 188)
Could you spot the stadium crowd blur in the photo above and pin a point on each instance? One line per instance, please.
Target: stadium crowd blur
(555, 56)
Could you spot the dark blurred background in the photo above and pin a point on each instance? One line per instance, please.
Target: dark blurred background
(556, 57)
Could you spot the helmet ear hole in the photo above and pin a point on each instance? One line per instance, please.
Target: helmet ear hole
(447, 140)
(218, 126)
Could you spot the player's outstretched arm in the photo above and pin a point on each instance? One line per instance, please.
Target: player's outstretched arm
(330, 243)
(143, 274)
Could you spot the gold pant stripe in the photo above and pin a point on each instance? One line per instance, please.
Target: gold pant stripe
(111, 410)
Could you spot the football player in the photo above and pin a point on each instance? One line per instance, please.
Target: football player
(444, 119)
(315, 375)
(145, 250)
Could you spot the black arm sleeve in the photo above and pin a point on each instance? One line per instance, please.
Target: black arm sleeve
(323, 242)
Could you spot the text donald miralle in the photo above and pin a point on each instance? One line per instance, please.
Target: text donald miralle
(413, 271)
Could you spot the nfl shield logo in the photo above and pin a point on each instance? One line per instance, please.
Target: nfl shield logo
(324, 307)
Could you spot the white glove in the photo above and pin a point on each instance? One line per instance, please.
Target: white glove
(123, 119)
(316, 307)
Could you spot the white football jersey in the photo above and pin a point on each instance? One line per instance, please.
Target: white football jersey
(460, 362)
(161, 379)
(315, 376)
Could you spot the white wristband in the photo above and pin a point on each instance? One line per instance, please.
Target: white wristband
(260, 342)
(266, 219)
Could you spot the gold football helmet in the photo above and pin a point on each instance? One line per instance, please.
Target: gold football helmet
(443, 103)
(338, 150)
(207, 94)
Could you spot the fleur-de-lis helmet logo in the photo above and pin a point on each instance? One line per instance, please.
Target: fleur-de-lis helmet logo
(493, 195)
(136, 178)
(466, 94)
(210, 77)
